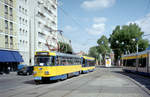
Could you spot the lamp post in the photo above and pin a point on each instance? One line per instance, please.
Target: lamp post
(137, 46)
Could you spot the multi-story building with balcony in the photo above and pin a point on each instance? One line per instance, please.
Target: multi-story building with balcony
(9, 55)
(8, 31)
(22, 9)
(43, 24)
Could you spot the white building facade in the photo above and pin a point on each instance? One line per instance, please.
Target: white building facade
(23, 29)
(42, 25)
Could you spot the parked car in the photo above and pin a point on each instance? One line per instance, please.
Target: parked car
(26, 70)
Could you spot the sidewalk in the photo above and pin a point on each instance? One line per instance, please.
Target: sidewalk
(10, 75)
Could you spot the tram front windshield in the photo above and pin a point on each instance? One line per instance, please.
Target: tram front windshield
(43, 60)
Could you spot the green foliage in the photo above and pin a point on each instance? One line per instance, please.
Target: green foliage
(103, 45)
(124, 39)
(65, 48)
(93, 52)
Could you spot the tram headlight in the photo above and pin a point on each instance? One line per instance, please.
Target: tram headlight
(46, 72)
(34, 72)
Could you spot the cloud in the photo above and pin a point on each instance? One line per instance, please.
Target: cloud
(99, 19)
(97, 4)
(144, 23)
(98, 27)
(69, 28)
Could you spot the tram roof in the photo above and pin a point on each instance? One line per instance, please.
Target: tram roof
(53, 53)
(66, 55)
(90, 58)
(137, 54)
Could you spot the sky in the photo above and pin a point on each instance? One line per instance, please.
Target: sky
(85, 21)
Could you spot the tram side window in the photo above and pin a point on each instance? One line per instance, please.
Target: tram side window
(84, 62)
(67, 61)
(131, 62)
(88, 63)
(63, 61)
(77, 61)
(124, 62)
(71, 61)
(92, 63)
(58, 60)
(142, 62)
(52, 61)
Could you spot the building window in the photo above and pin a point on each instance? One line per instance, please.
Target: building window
(39, 24)
(6, 41)
(20, 30)
(11, 26)
(26, 22)
(25, 11)
(23, 21)
(23, 42)
(20, 8)
(11, 2)
(20, 41)
(11, 42)
(23, 31)
(6, 9)
(11, 11)
(26, 33)
(6, 24)
(20, 20)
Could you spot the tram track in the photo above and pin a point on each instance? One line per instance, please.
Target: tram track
(67, 84)
(28, 89)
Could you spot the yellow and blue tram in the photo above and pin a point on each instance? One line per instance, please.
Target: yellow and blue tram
(138, 63)
(55, 65)
(88, 64)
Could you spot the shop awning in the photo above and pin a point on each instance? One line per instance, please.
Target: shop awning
(10, 56)
(17, 56)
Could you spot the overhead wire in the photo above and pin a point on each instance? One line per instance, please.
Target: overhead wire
(74, 20)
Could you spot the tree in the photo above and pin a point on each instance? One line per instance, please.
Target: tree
(124, 40)
(93, 52)
(103, 47)
(65, 48)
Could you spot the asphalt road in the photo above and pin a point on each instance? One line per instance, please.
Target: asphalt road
(104, 82)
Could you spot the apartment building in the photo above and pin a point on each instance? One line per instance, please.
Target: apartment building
(9, 55)
(23, 29)
(43, 24)
(27, 26)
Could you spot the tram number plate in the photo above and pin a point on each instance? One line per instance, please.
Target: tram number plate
(40, 72)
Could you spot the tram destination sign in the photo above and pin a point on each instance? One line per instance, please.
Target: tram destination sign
(42, 53)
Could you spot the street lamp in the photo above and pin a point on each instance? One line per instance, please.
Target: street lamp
(117, 41)
(137, 46)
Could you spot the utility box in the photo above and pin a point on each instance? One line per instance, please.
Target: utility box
(108, 62)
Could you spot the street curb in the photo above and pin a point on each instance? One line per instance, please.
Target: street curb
(139, 85)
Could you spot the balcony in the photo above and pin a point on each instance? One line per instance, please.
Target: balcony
(41, 39)
(6, 15)
(6, 45)
(10, 3)
(11, 45)
(6, 1)
(6, 30)
(11, 17)
(11, 31)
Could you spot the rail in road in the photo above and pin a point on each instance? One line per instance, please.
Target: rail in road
(104, 82)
